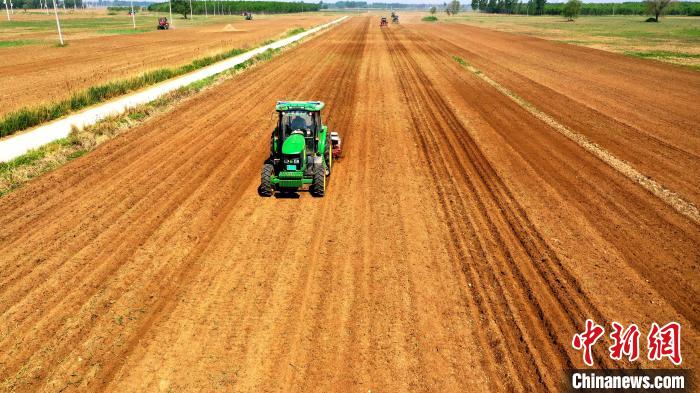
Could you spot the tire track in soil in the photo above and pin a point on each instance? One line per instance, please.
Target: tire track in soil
(132, 206)
(129, 161)
(563, 295)
(631, 213)
(612, 109)
(215, 161)
(162, 311)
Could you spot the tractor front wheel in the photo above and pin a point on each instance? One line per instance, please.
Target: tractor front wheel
(265, 188)
(318, 187)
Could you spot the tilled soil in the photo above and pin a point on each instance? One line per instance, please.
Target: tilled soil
(34, 75)
(461, 244)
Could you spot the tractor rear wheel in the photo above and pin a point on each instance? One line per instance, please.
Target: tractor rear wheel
(318, 186)
(328, 158)
(265, 188)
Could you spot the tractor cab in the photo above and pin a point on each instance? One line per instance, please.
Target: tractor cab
(299, 121)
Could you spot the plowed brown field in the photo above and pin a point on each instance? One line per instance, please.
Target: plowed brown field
(461, 244)
(36, 75)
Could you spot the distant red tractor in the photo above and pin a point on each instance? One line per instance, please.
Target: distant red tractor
(163, 23)
(383, 22)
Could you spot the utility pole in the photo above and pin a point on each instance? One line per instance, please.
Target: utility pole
(191, 12)
(58, 23)
(7, 10)
(206, 13)
(133, 14)
(170, 10)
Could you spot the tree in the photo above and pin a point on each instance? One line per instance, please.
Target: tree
(539, 6)
(433, 10)
(572, 9)
(492, 6)
(509, 6)
(657, 7)
(455, 7)
(483, 5)
(475, 5)
(180, 7)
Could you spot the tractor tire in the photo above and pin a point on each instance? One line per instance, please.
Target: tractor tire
(328, 158)
(318, 187)
(265, 189)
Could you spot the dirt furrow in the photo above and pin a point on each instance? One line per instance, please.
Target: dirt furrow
(656, 133)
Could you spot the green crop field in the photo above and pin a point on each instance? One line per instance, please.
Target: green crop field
(676, 39)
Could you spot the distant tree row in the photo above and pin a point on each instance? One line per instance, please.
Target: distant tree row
(382, 6)
(37, 4)
(269, 7)
(541, 7)
(532, 7)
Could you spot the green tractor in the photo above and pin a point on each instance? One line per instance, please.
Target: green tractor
(300, 150)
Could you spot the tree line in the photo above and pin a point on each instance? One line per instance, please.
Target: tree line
(541, 7)
(37, 4)
(269, 7)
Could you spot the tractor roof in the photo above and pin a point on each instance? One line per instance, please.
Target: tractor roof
(301, 105)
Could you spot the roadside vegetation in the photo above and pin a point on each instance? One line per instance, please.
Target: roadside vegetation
(16, 43)
(15, 173)
(430, 18)
(294, 31)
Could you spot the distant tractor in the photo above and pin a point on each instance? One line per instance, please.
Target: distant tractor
(383, 22)
(163, 23)
(301, 150)
(248, 15)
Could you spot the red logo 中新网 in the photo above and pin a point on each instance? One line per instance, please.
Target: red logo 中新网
(662, 341)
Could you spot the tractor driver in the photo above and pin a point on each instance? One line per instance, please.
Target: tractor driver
(298, 123)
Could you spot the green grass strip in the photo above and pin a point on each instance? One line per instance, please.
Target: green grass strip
(31, 116)
(662, 54)
(16, 43)
(295, 31)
